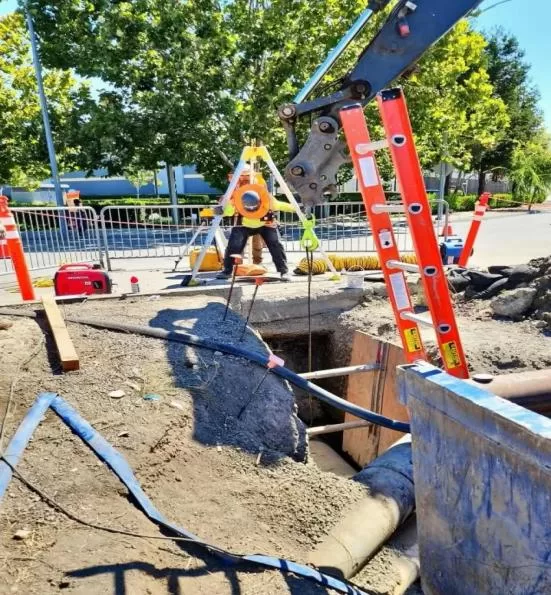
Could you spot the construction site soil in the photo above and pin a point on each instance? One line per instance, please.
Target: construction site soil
(235, 490)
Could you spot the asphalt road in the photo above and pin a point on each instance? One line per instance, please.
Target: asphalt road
(510, 240)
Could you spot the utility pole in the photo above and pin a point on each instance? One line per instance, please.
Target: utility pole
(44, 109)
(442, 180)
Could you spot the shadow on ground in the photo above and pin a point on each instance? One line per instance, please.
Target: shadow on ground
(235, 402)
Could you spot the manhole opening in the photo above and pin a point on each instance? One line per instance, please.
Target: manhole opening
(294, 350)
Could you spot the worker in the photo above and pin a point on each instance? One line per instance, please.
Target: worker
(245, 227)
(258, 247)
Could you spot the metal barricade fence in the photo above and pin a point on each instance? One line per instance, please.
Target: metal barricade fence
(53, 236)
(341, 227)
(149, 231)
(152, 231)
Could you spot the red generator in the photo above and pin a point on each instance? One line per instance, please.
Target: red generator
(81, 279)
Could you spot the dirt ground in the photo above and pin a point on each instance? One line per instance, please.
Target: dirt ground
(491, 346)
(222, 489)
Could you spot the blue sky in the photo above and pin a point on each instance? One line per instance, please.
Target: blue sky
(527, 19)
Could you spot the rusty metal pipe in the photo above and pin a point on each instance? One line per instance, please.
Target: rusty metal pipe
(531, 390)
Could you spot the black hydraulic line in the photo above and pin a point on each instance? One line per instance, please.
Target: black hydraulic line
(258, 358)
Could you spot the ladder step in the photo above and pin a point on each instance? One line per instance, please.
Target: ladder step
(364, 148)
(417, 318)
(388, 208)
(403, 266)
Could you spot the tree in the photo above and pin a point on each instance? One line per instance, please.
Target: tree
(24, 158)
(509, 75)
(452, 103)
(138, 178)
(192, 82)
(159, 64)
(531, 170)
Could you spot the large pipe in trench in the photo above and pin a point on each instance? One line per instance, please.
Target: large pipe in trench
(389, 500)
(531, 390)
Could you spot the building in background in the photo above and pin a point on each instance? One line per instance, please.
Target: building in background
(188, 182)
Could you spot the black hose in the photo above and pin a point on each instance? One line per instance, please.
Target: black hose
(257, 358)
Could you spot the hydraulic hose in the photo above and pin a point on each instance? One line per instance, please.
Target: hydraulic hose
(228, 349)
(20, 439)
(109, 455)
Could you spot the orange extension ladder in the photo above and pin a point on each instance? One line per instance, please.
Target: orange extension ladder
(399, 135)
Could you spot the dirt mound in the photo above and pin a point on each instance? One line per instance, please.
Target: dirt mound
(519, 292)
(217, 476)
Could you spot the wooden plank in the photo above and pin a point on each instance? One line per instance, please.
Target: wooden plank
(66, 349)
(375, 391)
(391, 406)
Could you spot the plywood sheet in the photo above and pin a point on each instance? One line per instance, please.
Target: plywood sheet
(375, 391)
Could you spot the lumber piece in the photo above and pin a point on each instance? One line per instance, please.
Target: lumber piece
(65, 348)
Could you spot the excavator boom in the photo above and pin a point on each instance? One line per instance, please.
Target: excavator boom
(411, 28)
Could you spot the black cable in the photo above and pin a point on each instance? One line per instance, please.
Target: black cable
(56, 506)
(310, 260)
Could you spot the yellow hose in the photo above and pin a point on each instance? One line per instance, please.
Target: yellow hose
(360, 262)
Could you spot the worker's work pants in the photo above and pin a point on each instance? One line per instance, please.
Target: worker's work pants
(238, 240)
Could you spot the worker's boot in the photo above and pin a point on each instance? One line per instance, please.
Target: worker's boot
(223, 275)
(285, 277)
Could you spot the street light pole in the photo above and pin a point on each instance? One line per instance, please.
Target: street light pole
(44, 109)
(442, 185)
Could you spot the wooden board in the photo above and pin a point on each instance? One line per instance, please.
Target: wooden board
(375, 391)
(66, 349)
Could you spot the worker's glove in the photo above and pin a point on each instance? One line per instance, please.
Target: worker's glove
(218, 210)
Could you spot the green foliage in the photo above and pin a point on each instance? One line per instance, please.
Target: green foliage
(193, 81)
(24, 159)
(452, 103)
(531, 170)
(509, 75)
(162, 62)
(138, 178)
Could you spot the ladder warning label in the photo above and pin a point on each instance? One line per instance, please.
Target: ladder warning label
(413, 340)
(369, 171)
(451, 355)
(400, 291)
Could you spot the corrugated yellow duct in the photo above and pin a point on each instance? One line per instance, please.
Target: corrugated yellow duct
(355, 263)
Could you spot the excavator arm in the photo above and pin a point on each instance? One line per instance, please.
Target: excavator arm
(411, 28)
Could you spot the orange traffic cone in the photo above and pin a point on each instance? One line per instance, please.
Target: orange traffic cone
(15, 251)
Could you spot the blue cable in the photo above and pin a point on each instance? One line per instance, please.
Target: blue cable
(116, 462)
(21, 438)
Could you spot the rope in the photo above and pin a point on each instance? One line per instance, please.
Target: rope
(310, 260)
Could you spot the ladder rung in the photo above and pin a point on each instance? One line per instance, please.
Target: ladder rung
(403, 266)
(416, 318)
(388, 208)
(364, 148)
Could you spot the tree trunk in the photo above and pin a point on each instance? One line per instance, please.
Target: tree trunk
(447, 184)
(458, 182)
(481, 182)
(155, 182)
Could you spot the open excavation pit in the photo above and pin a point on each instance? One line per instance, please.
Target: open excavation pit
(244, 483)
